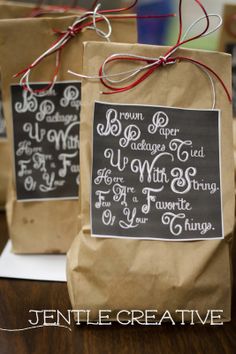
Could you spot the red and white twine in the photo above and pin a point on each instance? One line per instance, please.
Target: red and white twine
(88, 20)
(142, 72)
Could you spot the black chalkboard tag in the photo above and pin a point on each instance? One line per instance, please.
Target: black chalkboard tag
(46, 142)
(3, 133)
(156, 173)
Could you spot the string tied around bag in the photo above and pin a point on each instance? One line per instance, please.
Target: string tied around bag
(87, 21)
(146, 66)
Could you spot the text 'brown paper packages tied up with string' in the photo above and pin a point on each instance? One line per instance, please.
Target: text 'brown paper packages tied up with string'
(156, 188)
(43, 126)
(13, 10)
(227, 43)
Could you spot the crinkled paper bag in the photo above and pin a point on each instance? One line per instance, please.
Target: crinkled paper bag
(43, 226)
(124, 273)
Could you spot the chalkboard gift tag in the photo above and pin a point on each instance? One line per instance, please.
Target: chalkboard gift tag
(43, 132)
(46, 142)
(156, 173)
(156, 202)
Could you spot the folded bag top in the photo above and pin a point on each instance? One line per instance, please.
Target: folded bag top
(42, 226)
(13, 10)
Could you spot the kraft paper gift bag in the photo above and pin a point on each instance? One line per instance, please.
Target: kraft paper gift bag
(7, 10)
(13, 10)
(156, 188)
(42, 206)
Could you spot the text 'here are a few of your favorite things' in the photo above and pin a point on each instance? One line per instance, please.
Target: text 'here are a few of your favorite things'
(46, 141)
(156, 173)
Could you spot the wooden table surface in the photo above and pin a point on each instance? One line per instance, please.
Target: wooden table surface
(17, 297)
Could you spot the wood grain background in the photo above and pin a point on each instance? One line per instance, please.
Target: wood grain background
(17, 297)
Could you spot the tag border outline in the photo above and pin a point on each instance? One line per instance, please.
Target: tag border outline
(14, 178)
(220, 177)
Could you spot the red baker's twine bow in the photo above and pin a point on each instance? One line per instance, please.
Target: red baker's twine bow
(80, 24)
(154, 63)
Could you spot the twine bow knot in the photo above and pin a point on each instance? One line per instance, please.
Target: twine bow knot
(137, 75)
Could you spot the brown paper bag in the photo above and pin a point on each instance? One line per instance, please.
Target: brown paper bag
(43, 226)
(13, 10)
(8, 10)
(124, 274)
